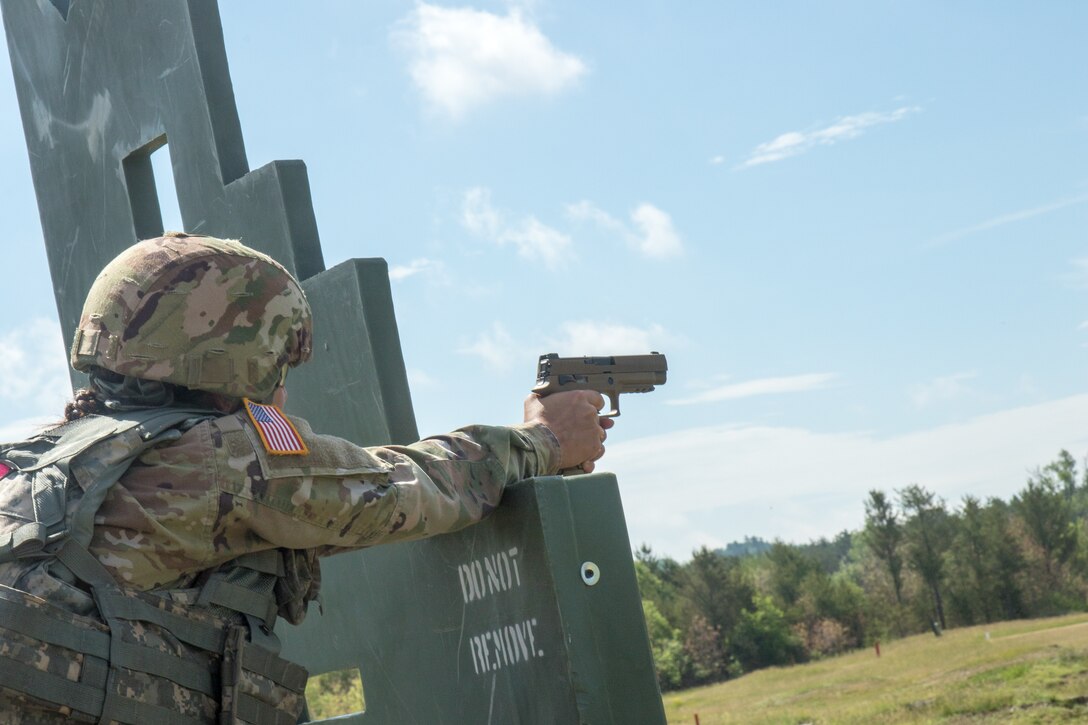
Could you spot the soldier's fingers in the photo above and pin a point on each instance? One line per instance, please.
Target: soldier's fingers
(594, 398)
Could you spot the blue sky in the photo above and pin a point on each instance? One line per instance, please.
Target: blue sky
(856, 228)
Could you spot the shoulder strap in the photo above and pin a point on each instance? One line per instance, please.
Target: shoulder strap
(123, 438)
(45, 478)
(140, 430)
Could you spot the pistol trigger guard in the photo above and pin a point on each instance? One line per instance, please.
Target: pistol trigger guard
(614, 404)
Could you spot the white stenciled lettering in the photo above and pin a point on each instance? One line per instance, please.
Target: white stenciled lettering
(495, 580)
(518, 638)
(512, 560)
(474, 650)
(504, 646)
(489, 575)
(481, 653)
(466, 584)
(532, 639)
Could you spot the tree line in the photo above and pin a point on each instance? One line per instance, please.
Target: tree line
(918, 564)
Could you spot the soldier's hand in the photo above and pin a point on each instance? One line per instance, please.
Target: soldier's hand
(573, 417)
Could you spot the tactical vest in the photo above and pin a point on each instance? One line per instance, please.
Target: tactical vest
(76, 645)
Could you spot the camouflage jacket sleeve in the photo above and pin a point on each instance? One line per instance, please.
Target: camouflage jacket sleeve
(215, 494)
(340, 495)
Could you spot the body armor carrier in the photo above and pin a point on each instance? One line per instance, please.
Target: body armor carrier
(76, 645)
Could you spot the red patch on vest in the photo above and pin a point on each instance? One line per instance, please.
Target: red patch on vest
(5, 469)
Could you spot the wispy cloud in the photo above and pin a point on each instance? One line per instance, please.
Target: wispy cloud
(651, 230)
(500, 350)
(462, 58)
(420, 380)
(533, 240)
(399, 272)
(495, 347)
(942, 389)
(588, 337)
(794, 143)
(800, 484)
(34, 384)
(1016, 216)
(760, 386)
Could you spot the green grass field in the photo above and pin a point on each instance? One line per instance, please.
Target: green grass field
(1033, 671)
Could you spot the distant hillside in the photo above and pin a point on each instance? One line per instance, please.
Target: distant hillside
(749, 547)
(829, 553)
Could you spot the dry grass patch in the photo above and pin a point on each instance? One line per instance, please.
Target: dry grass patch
(1012, 672)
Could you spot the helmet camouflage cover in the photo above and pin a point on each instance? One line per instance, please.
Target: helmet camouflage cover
(210, 314)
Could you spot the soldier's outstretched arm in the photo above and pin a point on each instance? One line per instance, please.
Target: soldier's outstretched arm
(342, 496)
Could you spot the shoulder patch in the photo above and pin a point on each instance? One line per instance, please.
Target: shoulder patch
(278, 434)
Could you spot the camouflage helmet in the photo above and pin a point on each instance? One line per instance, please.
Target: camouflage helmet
(210, 314)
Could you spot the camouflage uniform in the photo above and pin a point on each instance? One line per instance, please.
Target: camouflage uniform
(227, 497)
(213, 496)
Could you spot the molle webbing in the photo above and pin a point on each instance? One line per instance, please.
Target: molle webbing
(244, 661)
(113, 605)
(45, 473)
(241, 659)
(86, 695)
(146, 653)
(117, 609)
(91, 697)
(246, 585)
(43, 468)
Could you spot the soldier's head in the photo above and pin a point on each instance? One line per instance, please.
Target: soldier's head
(203, 313)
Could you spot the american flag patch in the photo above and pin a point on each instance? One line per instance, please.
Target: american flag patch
(277, 433)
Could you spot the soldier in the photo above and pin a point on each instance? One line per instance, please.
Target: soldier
(150, 541)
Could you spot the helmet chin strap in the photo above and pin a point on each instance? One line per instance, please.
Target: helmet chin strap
(279, 395)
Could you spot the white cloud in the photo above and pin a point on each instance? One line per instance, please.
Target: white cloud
(533, 240)
(760, 386)
(536, 241)
(420, 380)
(939, 390)
(477, 214)
(461, 58)
(725, 482)
(500, 351)
(34, 383)
(586, 337)
(496, 347)
(399, 272)
(651, 231)
(1016, 216)
(588, 211)
(657, 238)
(846, 128)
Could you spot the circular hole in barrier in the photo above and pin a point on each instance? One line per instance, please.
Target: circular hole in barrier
(591, 573)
